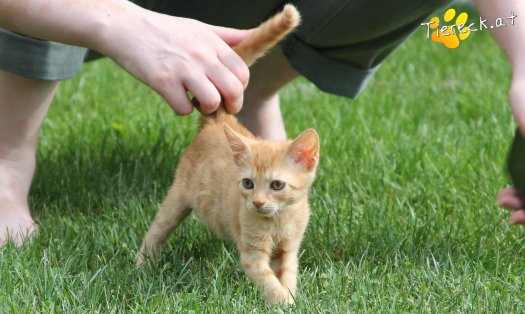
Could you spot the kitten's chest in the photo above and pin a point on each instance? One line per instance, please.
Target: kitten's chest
(272, 236)
(282, 234)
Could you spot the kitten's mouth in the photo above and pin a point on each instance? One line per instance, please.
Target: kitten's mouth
(264, 211)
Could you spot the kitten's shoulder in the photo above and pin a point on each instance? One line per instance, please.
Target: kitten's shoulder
(210, 141)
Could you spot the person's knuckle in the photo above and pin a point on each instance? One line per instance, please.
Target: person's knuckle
(243, 74)
(161, 80)
(210, 103)
(201, 56)
(233, 91)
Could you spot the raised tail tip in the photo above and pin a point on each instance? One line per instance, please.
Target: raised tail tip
(291, 16)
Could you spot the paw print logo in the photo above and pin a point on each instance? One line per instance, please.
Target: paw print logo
(450, 35)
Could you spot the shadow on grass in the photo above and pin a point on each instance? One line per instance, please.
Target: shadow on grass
(85, 174)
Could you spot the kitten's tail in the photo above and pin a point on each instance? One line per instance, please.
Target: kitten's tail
(258, 43)
(268, 34)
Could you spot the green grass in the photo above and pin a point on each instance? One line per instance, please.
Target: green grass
(404, 216)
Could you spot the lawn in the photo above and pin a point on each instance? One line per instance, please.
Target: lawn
(404, 216)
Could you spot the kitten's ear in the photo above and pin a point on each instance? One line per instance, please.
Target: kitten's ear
(237, 143)
(304, 150)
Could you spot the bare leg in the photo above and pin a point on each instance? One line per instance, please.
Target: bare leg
(23, 107)
(261, 112)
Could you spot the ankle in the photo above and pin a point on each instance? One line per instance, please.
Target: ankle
(17, 167)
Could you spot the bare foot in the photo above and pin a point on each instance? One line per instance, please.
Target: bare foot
(16, 223)
(510, 198)
(23, 107)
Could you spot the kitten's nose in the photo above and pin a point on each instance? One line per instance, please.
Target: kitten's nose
(258, 204)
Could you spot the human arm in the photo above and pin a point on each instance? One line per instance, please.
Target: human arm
(512, 40)
(171, 55)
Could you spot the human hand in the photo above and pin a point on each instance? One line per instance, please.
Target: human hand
(510, 198)
(175, 55)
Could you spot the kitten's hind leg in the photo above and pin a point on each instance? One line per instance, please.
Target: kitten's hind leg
(171, 213)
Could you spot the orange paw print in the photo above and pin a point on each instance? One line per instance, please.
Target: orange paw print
(450, 35)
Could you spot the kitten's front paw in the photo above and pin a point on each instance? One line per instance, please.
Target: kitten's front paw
(147, 254)
(290, 299)
(139, 259)
(283, 297)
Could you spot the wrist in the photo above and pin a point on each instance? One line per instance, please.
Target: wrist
(110, 25)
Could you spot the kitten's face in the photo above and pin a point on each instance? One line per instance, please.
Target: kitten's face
(268, 191)
(273, 176)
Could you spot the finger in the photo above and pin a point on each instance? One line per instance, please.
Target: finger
(510, 201)
(517, 218)
(511, 198)
(229, 86)
(230, 36)
(236, 65)
(178, 100)
(205, 92)
(508, 191)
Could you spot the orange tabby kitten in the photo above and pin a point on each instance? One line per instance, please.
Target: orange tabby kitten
(246, 189)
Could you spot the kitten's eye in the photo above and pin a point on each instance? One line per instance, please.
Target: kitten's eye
(277, 185)
(247, 183)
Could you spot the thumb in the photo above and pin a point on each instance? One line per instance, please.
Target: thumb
(231, 36)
